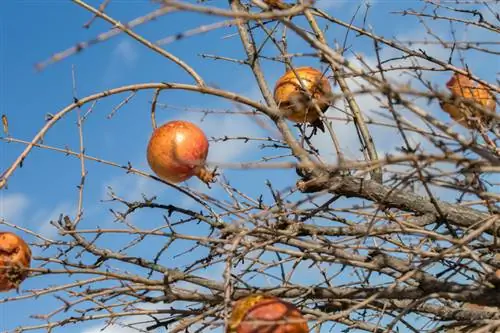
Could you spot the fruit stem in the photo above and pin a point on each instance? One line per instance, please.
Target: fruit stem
(206, 175)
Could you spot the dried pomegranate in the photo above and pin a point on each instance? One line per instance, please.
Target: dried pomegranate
(177, 151)
(461, 86)
(292, 96)
(266, 314)
(15, 257)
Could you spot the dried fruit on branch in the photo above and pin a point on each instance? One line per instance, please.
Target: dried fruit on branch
(467, 115)
(177, 151)
(292, 92)
(15, 258)
(266, 314)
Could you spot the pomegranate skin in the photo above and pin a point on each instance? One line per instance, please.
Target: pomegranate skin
(266, 314)
(294, 103)
(177, 151)
(15, 255)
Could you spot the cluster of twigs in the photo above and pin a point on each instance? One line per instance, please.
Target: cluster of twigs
(358, 244)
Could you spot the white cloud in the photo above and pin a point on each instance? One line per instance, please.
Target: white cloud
(13, 207)
(122, 59)
(386, 139)
(347, 134)
(39, 222)
(126, 51)
(232, 150)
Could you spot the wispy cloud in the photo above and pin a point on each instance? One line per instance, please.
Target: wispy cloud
(123, 55)
(371, 107)
(13, 207)
(39, 221)
(126, 51)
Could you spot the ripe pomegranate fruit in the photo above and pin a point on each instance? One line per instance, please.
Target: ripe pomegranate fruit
(177, 151)
(292, 96)
(461, 86)
(15, 257)
(266, 314)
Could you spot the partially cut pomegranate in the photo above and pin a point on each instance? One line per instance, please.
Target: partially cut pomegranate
(177, 151)
(15, 258)
(266, 314)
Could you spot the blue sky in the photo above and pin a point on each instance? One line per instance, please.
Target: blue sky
(30, 31)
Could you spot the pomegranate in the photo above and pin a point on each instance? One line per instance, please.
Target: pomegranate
(292, 96)
(461, 86)
(15, 258)
(266, 314)
(177, 151)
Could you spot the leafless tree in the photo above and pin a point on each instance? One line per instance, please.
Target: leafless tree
(388, 241)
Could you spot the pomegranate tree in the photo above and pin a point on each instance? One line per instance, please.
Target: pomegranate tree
(177, 151)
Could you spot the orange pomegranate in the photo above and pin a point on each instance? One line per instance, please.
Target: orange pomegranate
(266, 314)
(177, 151)
(461, 86)
(15, 257)
(292, 96)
